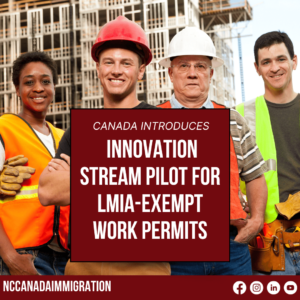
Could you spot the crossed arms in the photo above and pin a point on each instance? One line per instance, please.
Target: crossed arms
(54, 185)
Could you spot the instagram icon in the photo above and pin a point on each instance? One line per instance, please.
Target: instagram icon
(256, 287)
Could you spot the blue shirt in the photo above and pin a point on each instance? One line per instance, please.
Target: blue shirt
(175, 104)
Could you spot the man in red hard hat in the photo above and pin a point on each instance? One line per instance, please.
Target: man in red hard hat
(121, 52)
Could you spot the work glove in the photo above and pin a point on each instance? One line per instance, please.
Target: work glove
(19, 160)
(13, 174)
(290, 207)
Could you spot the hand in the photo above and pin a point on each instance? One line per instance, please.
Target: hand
(19, 160)
(59, 164)
(13, 175)
(25, 172)
(10, 182)
(248, 230)
(22, 264)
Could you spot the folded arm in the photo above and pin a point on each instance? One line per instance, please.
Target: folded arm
(54, 184)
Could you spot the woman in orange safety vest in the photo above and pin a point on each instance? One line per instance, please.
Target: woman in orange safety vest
(33, 238)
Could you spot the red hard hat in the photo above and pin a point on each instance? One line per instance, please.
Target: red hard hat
(122, 29)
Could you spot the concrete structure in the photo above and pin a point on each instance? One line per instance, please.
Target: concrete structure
(66, 30)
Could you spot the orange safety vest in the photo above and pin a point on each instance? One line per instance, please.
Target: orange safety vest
(27, 223)
(236, 209)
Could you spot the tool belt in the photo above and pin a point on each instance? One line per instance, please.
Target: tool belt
(271, 257)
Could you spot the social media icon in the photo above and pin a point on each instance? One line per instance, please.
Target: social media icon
(273, 287)
(256, 287)
(239, 287)
(290, 287)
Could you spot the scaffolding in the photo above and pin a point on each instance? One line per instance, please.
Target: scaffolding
(66, 31)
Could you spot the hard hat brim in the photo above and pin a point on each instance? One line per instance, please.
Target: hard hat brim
(215, 62)
(146, 50)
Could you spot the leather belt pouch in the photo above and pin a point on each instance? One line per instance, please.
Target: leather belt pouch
(271, 257)
(291, 237)
(268, 258)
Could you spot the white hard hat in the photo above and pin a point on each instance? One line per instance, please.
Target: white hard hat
(192, 41)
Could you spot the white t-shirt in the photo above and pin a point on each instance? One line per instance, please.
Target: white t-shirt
(47, 141)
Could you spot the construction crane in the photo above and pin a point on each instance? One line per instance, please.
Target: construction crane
(241, 67)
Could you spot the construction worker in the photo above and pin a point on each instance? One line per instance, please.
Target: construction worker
(121, 53)
(191, 59)
(274, 121)
(33, 238)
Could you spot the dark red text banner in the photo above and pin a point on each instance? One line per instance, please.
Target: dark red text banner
(150, 185)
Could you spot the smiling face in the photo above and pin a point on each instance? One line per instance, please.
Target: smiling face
(118, 70)
(276, 66)
(36, 88)
(191, 86)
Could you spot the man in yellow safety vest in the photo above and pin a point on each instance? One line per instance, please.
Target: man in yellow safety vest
(274, 121)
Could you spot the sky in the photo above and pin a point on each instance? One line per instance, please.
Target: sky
(268, 15)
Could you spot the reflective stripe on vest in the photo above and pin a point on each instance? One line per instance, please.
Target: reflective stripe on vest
(26, 192)
(250, 115)
(272, 164)
(257, 116)
(236, 209)
(26, 222)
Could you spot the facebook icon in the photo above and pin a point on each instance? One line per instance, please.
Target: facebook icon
(239, 287)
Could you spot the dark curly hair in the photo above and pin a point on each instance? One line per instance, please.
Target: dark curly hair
(269, 39)
(29, 57)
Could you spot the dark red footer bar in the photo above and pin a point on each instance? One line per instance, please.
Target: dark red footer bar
(148, 287)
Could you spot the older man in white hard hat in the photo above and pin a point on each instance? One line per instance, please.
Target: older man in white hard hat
(191, 47)
(191, 59)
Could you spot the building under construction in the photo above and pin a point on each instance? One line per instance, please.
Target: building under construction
(66, 31)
